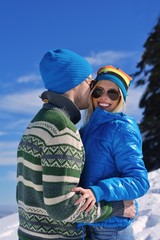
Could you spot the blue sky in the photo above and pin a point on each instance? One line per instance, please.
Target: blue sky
(104, 32)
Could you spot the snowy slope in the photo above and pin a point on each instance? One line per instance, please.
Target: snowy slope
(146, 225)
(8, 227)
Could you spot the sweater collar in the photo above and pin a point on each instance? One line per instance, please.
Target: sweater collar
(61, 102)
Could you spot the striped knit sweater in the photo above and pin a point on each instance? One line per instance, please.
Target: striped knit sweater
(50, 161)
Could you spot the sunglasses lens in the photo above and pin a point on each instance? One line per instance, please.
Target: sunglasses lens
(113, 94)
(97, 93)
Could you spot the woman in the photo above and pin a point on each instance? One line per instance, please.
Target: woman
(114, 169)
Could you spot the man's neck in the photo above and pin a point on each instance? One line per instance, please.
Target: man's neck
(62, 102)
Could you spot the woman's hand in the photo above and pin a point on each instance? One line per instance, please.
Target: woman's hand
(129, 209)
(88, 196)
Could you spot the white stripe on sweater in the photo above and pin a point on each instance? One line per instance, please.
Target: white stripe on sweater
(55, 200)
(31, 209)
(29, 183)
(50, 178)
(48, 201)
(46, 125)
(49, 140)
(52, 128)
(30, 165)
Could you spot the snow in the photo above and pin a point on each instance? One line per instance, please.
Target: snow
(8, 227)
(146, 226)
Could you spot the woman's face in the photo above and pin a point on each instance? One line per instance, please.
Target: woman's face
(110, 95)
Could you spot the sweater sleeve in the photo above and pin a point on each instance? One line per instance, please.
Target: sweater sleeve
(62, 163)
(117, 208)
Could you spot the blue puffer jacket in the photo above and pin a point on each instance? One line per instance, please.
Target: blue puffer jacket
(114, 168)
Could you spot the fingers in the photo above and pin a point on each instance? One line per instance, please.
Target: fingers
(81, 199)
(130, 215)
(128, 203)
(78, 189)
(87, 198)
(129, 209)
(90, 206)
(87, 206)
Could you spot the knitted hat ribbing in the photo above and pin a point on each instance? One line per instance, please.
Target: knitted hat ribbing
(115, 75)
(62, 70)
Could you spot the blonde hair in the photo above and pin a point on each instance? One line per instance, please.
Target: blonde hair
(119, 108)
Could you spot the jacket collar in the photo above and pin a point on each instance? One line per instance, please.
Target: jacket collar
(100, 117)
(61, 102)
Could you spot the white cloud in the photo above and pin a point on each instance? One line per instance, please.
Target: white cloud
(5, 159)
(132, 103)
(9, 176)
(108, 57)
(8, 152)
(2, 133)
(8, 144)
(17, 125)
(26, 102)
(29, 78)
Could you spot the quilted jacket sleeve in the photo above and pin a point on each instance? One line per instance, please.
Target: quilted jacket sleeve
(132, 181)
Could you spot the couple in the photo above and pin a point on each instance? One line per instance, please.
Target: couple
(63, 190)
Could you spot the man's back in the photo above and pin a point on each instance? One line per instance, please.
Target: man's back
(50, 154)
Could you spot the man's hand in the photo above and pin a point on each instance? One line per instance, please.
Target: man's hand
(129, 209)
(88, 196)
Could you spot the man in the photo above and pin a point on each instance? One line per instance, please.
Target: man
(51, 154)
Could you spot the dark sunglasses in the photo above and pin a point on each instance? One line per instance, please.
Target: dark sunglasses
(111, 93)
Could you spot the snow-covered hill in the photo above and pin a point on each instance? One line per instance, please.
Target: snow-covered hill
(146, 225)
(8, 227)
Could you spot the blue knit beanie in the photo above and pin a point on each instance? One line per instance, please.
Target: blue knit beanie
(62, 70)
(115, 75)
